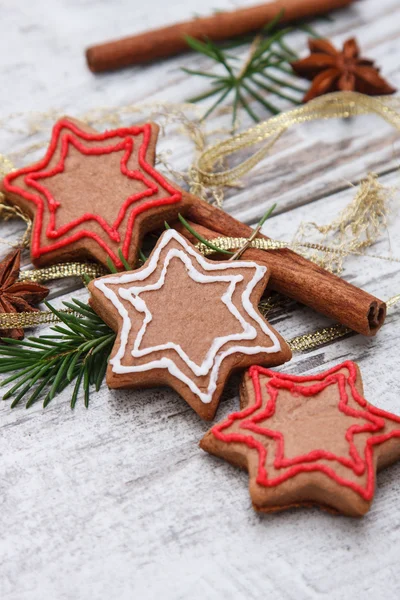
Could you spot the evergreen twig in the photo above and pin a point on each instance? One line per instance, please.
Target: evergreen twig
(269, 53)
(43, 366)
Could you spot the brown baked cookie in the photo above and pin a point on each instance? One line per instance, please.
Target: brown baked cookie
(186, 322)
(94, 194)
(308, 440)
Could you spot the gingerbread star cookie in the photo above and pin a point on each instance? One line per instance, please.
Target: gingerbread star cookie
(308, 440)
(93, 194)
(186, 322)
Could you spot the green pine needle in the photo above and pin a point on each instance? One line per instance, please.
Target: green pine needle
(122, 258)
(112, 268)
(86, 279)
(270, 53)
(41, 367)
(200, 238)
(142, 256)
(266, 216)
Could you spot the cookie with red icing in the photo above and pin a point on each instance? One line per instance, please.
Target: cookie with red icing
(310, 440)
(94, 194)
(186, 322)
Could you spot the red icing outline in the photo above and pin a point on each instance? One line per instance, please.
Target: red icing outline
(37, 172)
(306, 463)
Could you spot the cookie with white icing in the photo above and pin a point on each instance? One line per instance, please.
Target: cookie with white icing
(186, 322)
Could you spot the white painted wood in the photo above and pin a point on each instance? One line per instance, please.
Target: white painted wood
(117, 501)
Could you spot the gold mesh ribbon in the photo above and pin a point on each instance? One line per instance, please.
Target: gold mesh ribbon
(61, 270)
(331, 106)
(309, 341)
(325, 335)
(29, 319)
(301, 343)
(230, 243)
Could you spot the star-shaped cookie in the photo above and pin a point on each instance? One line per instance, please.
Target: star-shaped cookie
(308, 440)
(186, 322)
(93, 194)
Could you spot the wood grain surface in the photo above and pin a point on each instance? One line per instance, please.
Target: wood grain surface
(118, 502)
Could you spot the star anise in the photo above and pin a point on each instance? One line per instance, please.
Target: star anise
(15, 296)
(331, 70)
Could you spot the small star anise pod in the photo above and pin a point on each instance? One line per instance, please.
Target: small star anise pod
(331, 70)
(15, 296)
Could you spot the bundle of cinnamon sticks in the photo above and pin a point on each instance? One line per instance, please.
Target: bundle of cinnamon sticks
(169, 41)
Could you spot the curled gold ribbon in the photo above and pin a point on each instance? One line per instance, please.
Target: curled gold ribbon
(331, 106)
(203, 175)
(10, 212)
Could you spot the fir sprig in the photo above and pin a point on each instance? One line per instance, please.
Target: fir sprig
(201, 239)
(78, 349)
(43, 366)
(212, 246)
(258, 77)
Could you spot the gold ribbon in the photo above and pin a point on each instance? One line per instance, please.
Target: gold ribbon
(320, 337)
(229, 243)
(309, 341)
(58, 271)
(393, 301)
(11, 212)
(203, 175)
(29, 319)
(331, 106)
(301, 343)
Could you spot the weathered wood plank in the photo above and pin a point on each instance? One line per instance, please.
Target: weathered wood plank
(118, 501)
(300, 168)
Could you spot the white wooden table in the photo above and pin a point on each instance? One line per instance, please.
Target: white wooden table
(118, 502)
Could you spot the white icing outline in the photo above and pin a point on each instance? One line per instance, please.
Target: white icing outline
(213, 360)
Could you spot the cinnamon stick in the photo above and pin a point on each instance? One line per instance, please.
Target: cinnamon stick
(168, 41)
(295, 276)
